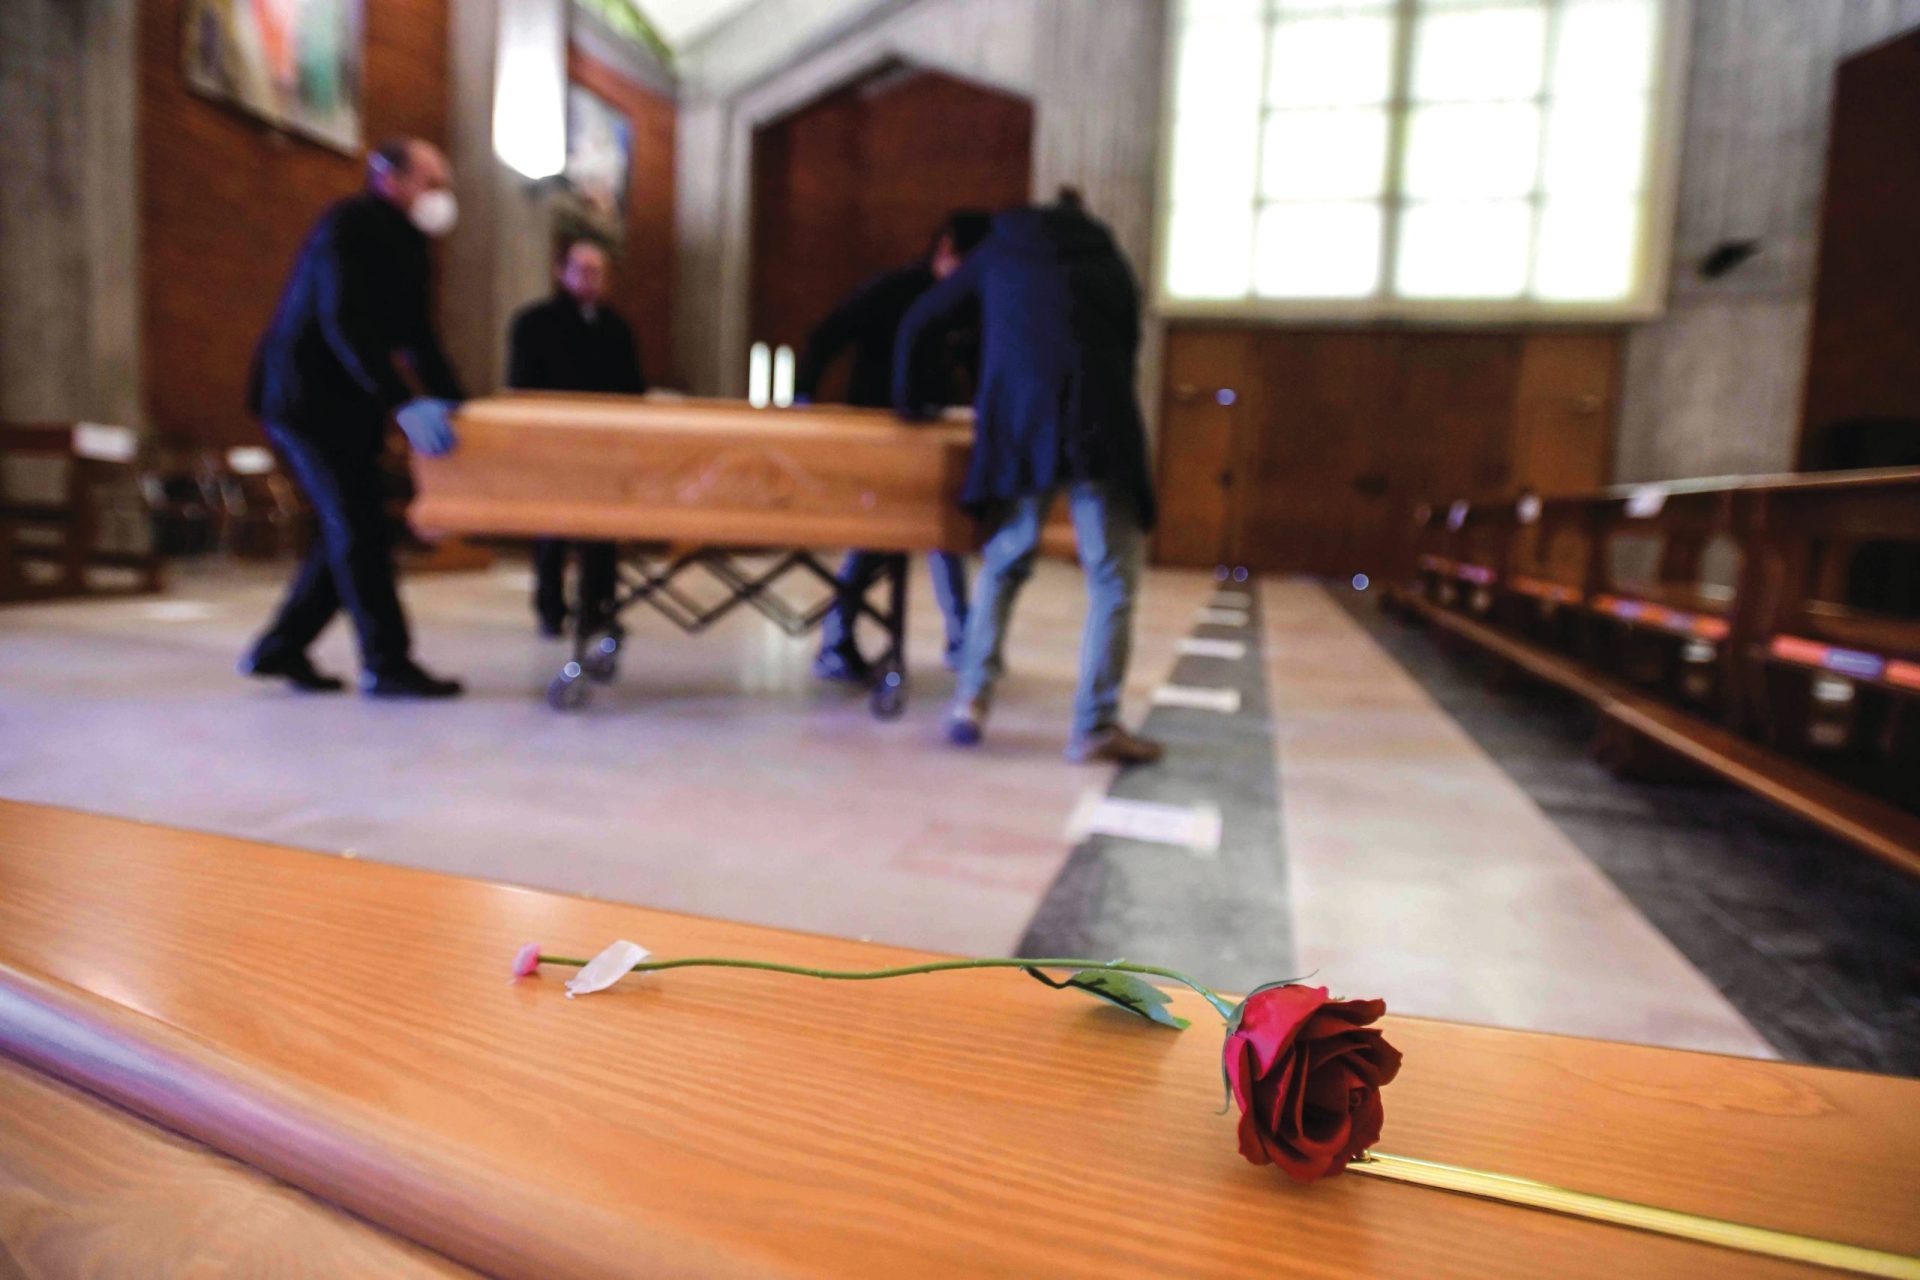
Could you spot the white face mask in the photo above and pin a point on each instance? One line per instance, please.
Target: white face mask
(435, 212)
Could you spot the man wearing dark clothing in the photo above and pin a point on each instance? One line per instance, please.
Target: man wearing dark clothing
(350, 342)
(1055, 412)
(574, 342)
(867, 321)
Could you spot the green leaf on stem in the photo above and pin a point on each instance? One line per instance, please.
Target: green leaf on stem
(1122, 989)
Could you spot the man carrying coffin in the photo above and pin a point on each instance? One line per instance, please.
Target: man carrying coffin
(351, 342)
(867, 321)
(573, 341)
(1056, 414)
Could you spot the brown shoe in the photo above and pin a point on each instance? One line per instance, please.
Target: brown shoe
(1113, 745)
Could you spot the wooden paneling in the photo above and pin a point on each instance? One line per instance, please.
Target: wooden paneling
(708, 472)
(1208, 386)
(1862, 362)
(1336, 434)
(642, 284)
(857, 182)
(349, 1028)
(225, 201)
(1564, 410)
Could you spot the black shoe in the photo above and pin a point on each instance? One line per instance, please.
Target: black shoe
(553, 628)
(844, 664)
(296, 671)
(408, 682)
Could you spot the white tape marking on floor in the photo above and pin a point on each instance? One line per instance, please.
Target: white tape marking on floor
(1200, 647)
(1193, 827)
(1221, 617)
(176, 611)
(1232, 599)
(1225, 701)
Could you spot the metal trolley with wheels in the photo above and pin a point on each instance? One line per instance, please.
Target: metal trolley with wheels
(660, 579)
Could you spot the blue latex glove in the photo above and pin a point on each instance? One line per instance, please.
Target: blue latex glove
(428, 424)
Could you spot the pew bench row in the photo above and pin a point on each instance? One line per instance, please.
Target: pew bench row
(1777, 618)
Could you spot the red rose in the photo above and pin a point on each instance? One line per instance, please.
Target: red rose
(1307, 1072)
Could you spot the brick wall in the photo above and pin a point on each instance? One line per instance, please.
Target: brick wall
(225, 201)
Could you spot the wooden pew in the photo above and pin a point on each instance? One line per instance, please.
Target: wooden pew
(1834, 677)
(348, 1028)
(1713, 619)
(96, 1191)
(1549, 571)
(62, 532)
(1661, 590)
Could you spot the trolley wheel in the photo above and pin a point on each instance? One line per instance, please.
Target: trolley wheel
(569, 689)
(602, 662)
(889, 697)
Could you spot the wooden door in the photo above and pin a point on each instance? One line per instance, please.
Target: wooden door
(1208, 376)
(1862, 400)
(1563, 410)
(1315, 479)
(857, 182)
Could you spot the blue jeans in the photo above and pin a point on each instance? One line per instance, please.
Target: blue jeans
(1108, 532)
(862, 567)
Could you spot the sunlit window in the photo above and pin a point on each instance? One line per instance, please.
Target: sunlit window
(1403, 155)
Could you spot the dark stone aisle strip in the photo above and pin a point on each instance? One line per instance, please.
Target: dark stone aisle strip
(1223, 917)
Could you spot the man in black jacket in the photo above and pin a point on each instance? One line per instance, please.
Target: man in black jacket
(350, 342)
(867, 321)
(1056, 412)
(573, 341)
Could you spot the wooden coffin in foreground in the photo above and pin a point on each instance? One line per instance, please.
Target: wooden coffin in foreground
(712, 472)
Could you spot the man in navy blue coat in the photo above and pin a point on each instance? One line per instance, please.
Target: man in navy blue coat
(868, 320)
(1055, 413)
(351, 341)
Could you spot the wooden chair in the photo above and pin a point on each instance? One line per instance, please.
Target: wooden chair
(72, 521)
(261, 515)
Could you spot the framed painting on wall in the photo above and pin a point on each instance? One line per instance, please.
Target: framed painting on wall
(294, 63)
(599, 161)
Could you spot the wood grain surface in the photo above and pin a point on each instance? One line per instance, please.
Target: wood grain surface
(710, 472)
(349, 1028)
(87, 1189)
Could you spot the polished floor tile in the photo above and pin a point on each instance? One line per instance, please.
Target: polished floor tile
(1421, 872)
(716, 775)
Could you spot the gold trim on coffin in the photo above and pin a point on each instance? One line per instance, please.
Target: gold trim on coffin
(1641, 1217)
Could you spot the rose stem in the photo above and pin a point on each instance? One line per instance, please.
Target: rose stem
(1219, 1003)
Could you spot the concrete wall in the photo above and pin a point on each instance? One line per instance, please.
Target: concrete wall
(497, 259)
(1091, 67)
(1714, 387)
(69, 300)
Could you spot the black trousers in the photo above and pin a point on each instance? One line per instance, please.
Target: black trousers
(599, 576)
(351, 564)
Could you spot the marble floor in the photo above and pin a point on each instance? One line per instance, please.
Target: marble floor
(1359, 833)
